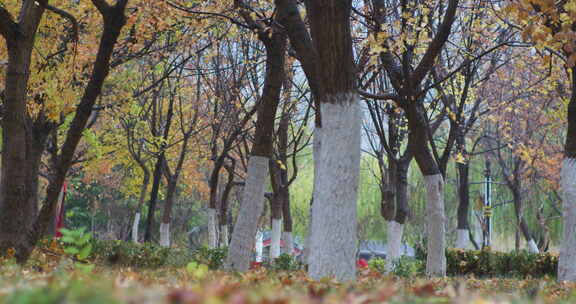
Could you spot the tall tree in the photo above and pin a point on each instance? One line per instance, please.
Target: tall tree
(21, 229)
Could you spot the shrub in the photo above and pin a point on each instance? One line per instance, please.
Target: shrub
(408, 267)
(213, 257)
(377, 264)
(285, 262)
(139, 255)
(490, 263)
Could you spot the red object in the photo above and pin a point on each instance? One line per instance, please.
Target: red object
(255, 265)
(362, 263)
(60, 212)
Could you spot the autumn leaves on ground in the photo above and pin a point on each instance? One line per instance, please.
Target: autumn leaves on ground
(53, 278)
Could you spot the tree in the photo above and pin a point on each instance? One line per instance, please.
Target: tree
(18, 199)
(550, 25)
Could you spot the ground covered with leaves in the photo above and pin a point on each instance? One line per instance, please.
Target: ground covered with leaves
(50, 279)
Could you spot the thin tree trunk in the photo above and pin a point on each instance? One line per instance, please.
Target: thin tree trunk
(462, 238)
(143, 190)
(396, 225)
(252, 205)
(521, 221)
(153, 198)
(287, 218)
(167, 216)
(213, 203)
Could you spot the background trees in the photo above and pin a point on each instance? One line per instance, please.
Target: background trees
(201, 110)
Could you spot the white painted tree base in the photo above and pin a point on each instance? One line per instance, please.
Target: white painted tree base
(567, 259)
(436, 258)
(462, 239)
(259, 247)
(334, 237)
(135, 226)
(275, 241)
(532, 247)
(212, 228)
(224, 236)
(246, 226)
(394, 250)
(165, 234)
(288, 242)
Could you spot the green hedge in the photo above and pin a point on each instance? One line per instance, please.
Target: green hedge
(139, 255)
(491, 263)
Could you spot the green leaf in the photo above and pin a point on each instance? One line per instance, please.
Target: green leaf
(85, 252)
(71, 250)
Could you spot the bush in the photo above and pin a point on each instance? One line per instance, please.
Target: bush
(490, 263)
(377, 264)
(213, 257)
(408, 267)
(139, 255)
(285, 262)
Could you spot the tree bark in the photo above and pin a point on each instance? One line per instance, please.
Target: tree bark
(463, 227)
(396, 225)
(567, 259)
(521, 221)
(157, 176)
(21, 149)
(143, 190)
(114, 21)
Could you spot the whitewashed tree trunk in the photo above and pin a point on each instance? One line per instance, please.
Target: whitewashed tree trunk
(317, 145)
(212, 228)
(275, 241)
(462, 238)
(165, 234)
(532, 247)
(394, 250)
(567, 259)
(436, 259)
(259, 246)
(334, 237)
(288, 242)
(135, 226)
(246, 225)
(224, 236)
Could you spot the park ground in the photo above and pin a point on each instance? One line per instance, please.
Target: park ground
(53, 277)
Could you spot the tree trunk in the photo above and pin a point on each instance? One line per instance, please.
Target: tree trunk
(521, 221)
(334, 236)
(224, 238)
(396, 225)
(213, 203)
(287, 218)
(567, 259)
(143, 189)
(435, 218)
(276, 204)
(212, 227)
(252, 205)
(21, 149)
(462, 238)
(153, 198)
(167, 216)
(436, 259)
